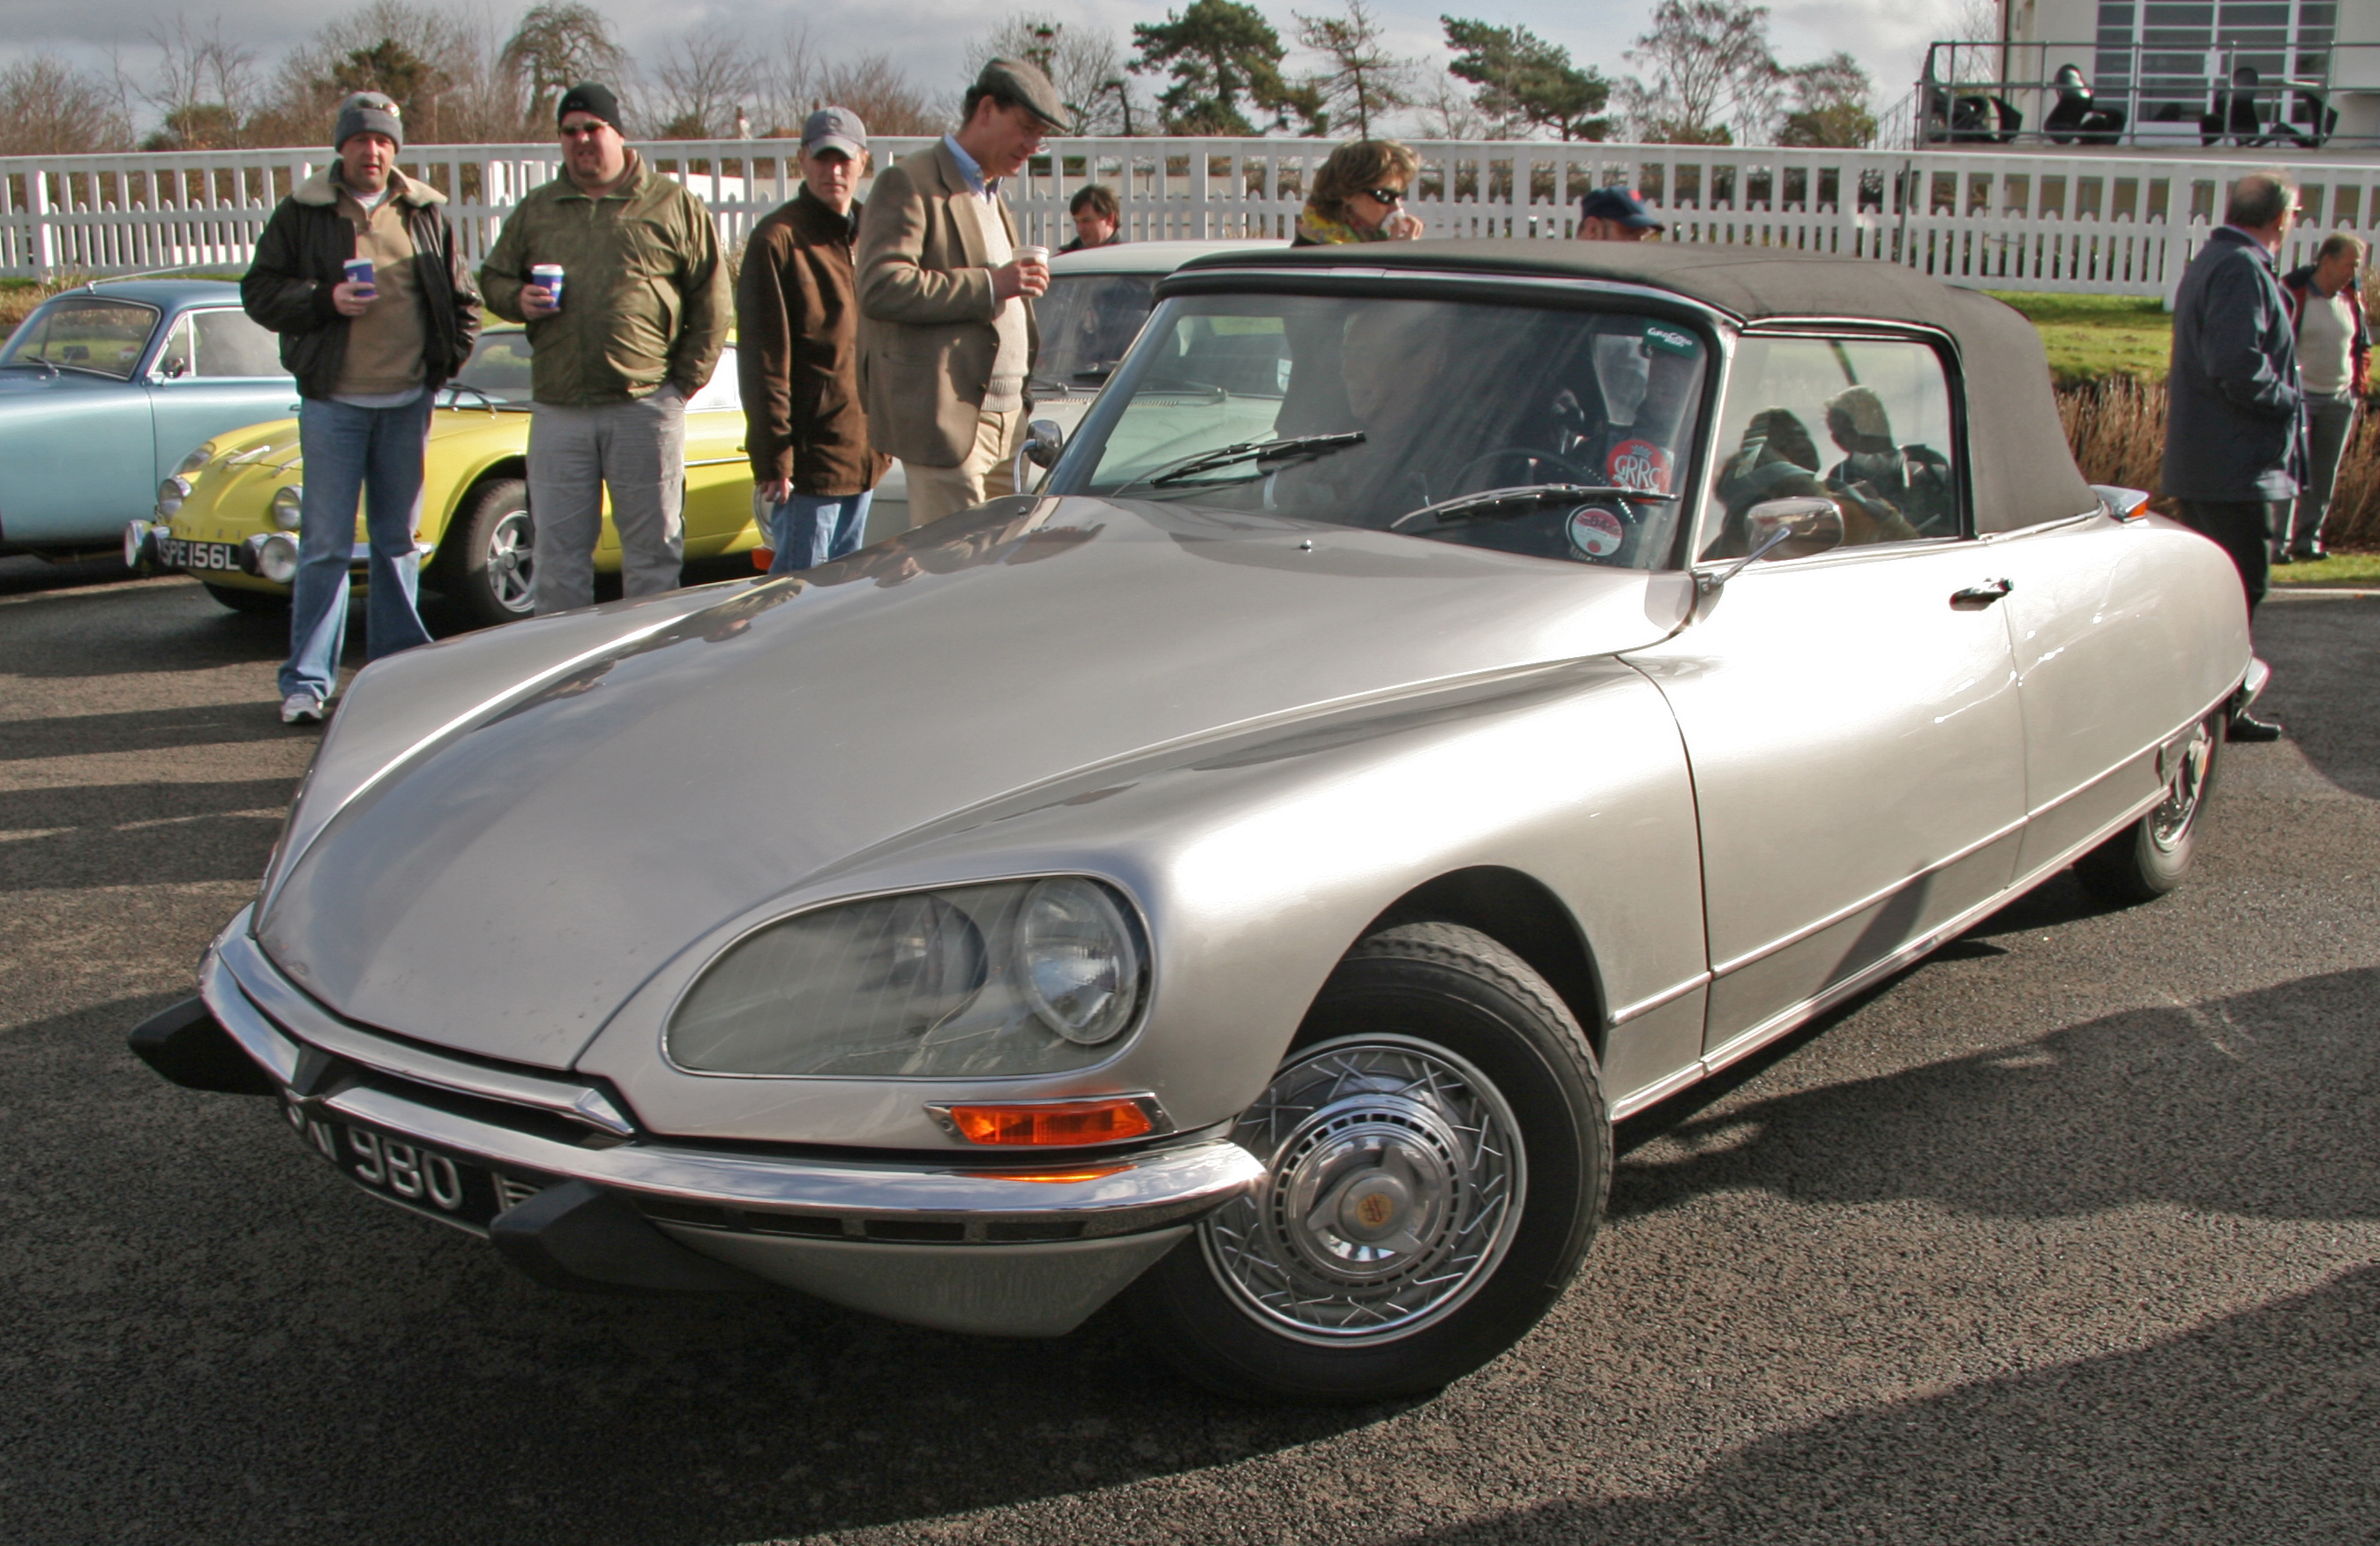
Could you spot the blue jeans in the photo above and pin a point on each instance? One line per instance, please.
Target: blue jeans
(351, 452)
(808, 529)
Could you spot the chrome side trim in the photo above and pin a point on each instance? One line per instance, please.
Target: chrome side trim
(1831, 919)
(1659, 1090)
(1148, 1189)
(2156, 742)
(1667, 995)
(262, 982)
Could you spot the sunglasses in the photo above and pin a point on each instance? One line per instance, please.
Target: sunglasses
(1385, 195)
(583, 132)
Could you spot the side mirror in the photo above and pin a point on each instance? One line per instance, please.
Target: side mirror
(1044, 439)
(174, 367)
(1793, 527)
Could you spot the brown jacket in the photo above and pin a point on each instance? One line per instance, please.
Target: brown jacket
(797, 352)
(926, 338)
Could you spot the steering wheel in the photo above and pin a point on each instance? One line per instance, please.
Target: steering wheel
(1529, 452)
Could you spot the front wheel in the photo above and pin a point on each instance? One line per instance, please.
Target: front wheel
(488, 562)
(2151, 856)
(1437, 1157)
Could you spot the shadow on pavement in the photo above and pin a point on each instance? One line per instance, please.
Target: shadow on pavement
(2261, 1105)
(2261, 1427)
(213, 1337)
(2323, 651)
(139, 834)
(144, 730)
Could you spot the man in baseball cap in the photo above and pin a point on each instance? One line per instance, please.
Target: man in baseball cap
(797, 332)
(947, 289)
(1614, 214)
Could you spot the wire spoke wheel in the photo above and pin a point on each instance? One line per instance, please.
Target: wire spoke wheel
(2169, 823)
(1394, 1177)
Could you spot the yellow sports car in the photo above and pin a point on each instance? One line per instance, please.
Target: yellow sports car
(229, 516)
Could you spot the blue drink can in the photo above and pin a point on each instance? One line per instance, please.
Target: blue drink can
(359, 273)
(549, 276)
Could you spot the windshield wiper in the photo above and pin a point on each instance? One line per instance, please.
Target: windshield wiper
(1488, 500)
(1260, 451)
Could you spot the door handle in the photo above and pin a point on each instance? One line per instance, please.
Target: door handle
(1983, 595)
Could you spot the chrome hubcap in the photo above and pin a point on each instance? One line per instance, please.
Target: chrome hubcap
(512, 562)
(2169, 823)
(1393, 1180)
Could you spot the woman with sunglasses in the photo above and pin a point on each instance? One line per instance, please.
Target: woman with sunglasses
(1359, 196)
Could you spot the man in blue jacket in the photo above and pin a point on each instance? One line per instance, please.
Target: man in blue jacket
(2235, 436)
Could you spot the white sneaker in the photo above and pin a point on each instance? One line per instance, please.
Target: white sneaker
(301, 708)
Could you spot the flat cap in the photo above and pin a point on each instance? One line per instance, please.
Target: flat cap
(1620, 205)
(1017, 81)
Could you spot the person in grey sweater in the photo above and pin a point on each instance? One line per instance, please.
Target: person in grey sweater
(2235, 431)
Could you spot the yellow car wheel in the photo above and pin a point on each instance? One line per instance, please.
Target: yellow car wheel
(489, 562)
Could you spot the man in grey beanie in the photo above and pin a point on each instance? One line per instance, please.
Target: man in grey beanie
(370, 355)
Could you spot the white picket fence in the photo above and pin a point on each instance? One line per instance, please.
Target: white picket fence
(2107, 224)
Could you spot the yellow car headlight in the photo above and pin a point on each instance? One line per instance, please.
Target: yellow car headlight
(197, 459)
(289, 507)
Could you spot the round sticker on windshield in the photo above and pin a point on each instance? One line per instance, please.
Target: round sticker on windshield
(1595, 532)
(1640, 465)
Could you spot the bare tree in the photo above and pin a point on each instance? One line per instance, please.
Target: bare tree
(1087, 65)
(558, 44)
(48, 107)
(883, 96)
(1712, 78)
(786, 82)
(1361, 79)
(204, 87)
(444, 67)
(704, 76)
(1447, 110)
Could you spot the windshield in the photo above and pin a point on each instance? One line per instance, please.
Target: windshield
(498, 367)
(1087, 321)
(85, 332)
(1390, 413)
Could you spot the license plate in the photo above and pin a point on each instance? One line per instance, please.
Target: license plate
(446, 1187)
(178, 554)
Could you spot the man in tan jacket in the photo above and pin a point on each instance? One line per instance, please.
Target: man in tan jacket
(947, 335)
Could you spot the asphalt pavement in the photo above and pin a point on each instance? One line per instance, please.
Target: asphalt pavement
(2071, 1233)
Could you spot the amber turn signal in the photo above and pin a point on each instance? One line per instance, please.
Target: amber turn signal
(1059, 1122)
(762, 558)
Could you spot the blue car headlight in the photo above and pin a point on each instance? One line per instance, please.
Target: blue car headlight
(993, 981)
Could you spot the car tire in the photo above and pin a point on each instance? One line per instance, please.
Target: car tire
(241, 601)
(488, 562)
(2151, 856)
(1441, 1101)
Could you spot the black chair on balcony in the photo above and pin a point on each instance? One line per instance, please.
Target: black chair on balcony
(2077, 119)
(1977, 119)
(2313, 120)
(2233, 114)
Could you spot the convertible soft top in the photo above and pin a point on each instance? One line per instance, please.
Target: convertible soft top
(2022, 468)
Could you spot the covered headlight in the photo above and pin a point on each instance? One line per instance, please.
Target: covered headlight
(995, 981)
(170, 495)
(288, 507)
(197, 459)
(275, 557)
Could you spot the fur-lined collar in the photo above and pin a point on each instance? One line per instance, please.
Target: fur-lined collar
(322, 188)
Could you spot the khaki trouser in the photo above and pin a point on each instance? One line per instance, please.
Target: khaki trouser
(987, 474)
(638, 450)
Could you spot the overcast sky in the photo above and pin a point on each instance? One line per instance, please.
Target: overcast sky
(929, 36)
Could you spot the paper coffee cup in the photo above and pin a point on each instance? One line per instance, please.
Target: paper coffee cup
(359, 273)
(1034, 255)
(549, 276)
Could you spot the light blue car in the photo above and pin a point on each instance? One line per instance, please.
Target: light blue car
(106, 390)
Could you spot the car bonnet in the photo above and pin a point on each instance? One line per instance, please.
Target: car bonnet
(519, 858)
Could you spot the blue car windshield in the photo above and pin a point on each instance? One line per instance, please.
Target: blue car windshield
(92, 333)
(1566, 433)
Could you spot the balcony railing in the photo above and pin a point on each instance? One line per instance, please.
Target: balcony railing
(2173, 99)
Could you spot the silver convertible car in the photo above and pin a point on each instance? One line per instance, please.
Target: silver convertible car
(1443, 699)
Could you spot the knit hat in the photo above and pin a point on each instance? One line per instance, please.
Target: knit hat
(368, 113)
(593, 99)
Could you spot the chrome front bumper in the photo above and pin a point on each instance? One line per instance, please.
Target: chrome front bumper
(986, 1245)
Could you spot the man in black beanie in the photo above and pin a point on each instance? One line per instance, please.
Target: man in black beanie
(632, 331)
(368, 356)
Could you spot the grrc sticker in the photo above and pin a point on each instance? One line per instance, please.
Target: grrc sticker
(1671, 341)
(1640, 465)
(1596, 532)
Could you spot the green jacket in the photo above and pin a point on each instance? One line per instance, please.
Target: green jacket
(645, 296)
